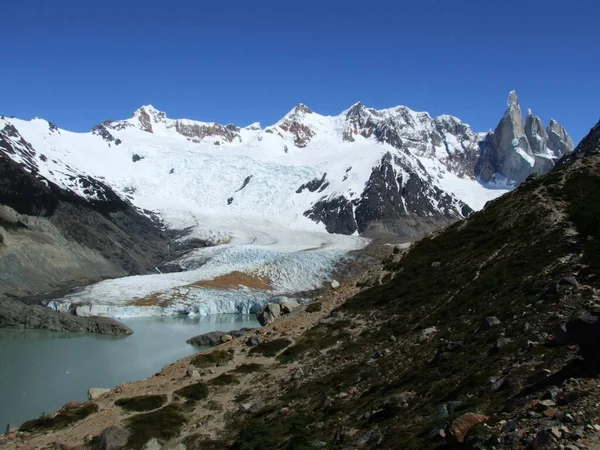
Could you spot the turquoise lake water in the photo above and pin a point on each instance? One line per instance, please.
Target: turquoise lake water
(41, 370)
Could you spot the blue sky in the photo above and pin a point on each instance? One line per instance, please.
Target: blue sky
(78, 63)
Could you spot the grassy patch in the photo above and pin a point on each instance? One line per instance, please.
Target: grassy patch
(212, 358)
(291, 432)
(271, 348)
(247, 368)
(163, 424)
(314, 307)
(223, 380)
(63, 419)
(193, 392)
(142, 402)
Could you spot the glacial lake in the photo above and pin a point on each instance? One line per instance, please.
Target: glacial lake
(41, 370)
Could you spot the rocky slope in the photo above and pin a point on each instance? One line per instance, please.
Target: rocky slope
(15, 314)
(482, 336)
(52, 237)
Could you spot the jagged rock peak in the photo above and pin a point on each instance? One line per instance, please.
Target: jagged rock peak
(513, 99)
(559, 140)
(302, 108)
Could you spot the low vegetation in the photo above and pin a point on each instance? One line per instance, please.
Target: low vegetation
(142, 402)
(216, 357)
(162, 424)
(271, 348)
(193, 392)
(65, 417)
(223, 380)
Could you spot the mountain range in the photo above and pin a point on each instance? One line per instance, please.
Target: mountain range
(364, 171)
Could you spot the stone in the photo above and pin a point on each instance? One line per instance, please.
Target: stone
(298, 375)
(490, 322)
(113, 438)
(438, 433)
(426, 333)
(192, 373)
(152, 444)
(552, 393)
(436, 264)
(335, 284)
(10, 428)
(96, 393)
(271, 311)
(460, 427)
(214, 338)
(502, 342)
(252, 341)
(544, 441)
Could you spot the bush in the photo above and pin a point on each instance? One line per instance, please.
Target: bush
(193, 392)
(142, 402)
(64, 418)
(163, 424)
(212, 358)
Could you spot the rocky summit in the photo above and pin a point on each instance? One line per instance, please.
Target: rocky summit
(482, 335)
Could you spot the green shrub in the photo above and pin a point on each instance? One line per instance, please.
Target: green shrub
(163, 424)
(142, 402)
(193, 392)
(211, 358)
(64, 418)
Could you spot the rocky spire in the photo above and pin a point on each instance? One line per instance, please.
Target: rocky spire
(536, 134)
(559, 141)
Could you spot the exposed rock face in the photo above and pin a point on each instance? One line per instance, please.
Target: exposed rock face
(214, 338)
(516, 151)
(148, 118)
(558, 139)
(56, 237)
(14, 314)
(114, 438)
(395, 191)
(590, 145)
(293, 124)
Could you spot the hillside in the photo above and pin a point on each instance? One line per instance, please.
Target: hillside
(482, 335)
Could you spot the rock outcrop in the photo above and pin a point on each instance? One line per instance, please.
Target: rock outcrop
(516, 150)
(214, 338)
(52, 237)
(14, 314)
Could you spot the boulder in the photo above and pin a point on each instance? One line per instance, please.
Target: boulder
(252, 341)
(113, 438)
(461, 426)
(426, 333)
(271, 311)
(214, 338)
(152, 444)
(490, 322)
(96, 393)
(335, 284)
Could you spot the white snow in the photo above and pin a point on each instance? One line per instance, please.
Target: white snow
(259, 230)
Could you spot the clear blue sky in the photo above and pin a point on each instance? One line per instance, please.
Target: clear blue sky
(78, 62)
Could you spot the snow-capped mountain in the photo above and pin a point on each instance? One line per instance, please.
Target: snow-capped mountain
(361, 170)
(266, 195)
